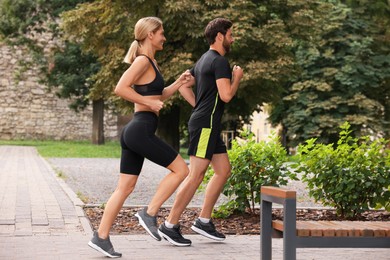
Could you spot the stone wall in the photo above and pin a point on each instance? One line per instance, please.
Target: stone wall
(29, 111)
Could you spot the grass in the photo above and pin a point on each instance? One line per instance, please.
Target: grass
(82, 197)
(60, 174)
(70, 149)
(75, 149)
(183, 153)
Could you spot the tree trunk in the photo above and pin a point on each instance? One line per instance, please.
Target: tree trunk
(97, 121)
(284, 139)
(168, 127)
(387, 121)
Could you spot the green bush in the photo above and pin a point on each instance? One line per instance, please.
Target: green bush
(351, 176)
(383, 203)
(253, 165)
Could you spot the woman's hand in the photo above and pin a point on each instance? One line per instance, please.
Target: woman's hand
(183, 79)
(186, 79)
(155, 105)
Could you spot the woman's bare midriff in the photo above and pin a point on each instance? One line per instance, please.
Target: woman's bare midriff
(140, 107)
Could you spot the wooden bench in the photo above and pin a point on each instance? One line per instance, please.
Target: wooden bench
(314, 234)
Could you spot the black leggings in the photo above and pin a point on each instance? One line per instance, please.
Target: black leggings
(138, 142)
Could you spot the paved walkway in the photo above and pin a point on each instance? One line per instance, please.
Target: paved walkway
(42, 218)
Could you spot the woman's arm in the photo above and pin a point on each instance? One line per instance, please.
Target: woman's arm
(171, 89)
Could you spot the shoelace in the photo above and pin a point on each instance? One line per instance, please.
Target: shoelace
(212, 224)
(178, 229)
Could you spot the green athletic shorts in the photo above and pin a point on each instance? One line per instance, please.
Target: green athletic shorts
(204, 142)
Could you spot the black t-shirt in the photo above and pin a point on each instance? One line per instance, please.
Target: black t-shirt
(209, 107)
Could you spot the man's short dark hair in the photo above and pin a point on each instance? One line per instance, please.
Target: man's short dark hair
(218, 25)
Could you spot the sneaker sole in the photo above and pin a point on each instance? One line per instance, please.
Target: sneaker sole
(166, 237)
(99, 249)
(146, 227)
(204, 233)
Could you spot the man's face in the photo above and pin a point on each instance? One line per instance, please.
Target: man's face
(228, 40)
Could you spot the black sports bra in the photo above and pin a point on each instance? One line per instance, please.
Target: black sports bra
(153, 88)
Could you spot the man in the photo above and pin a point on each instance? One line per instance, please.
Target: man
(215, 85)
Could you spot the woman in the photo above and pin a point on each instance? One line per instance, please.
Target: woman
(138, 140)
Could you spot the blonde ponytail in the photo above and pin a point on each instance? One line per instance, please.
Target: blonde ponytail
(142, 28)
(132, 52)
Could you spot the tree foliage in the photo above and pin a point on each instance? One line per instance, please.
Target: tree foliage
(26, 23)
(317, 62)
(264, 34)
(23, 21)
(34, 24)
(340, 72)
(377, 15)
(72, 70)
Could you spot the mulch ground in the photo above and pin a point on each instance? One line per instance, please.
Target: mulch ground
(242, 224)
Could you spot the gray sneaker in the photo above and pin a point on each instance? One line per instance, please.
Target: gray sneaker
(149, 223)
(103, 246)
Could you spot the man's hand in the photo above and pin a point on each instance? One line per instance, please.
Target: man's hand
(237, 72)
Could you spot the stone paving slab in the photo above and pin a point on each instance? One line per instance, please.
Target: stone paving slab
(32, 200)
(132, 247)
(143, 247)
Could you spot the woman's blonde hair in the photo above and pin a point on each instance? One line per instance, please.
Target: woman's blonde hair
(141, 30)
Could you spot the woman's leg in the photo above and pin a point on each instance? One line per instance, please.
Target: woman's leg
(179, 171)
(125, 186)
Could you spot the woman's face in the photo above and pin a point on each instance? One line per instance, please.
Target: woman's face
(158, 39)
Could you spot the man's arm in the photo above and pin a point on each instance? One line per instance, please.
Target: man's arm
(226, 88)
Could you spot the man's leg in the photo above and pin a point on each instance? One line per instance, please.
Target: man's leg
(170, 230)
(222, 169)
(203, 225)
(198, 167)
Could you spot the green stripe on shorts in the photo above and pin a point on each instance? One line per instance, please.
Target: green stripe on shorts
(203, 142)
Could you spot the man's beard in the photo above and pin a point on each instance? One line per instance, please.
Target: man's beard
(226, 45)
